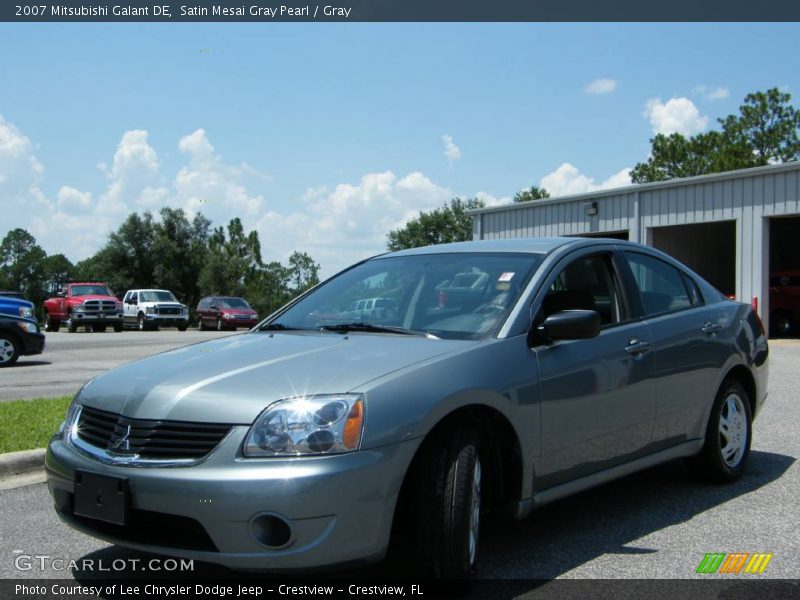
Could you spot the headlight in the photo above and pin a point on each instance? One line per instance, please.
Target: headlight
(79, 308)
(28, 326)
(307, 425)
(70, 422)
(184, 310)
(119, 306)
(150, 310)
(227, 316)
(26, 312)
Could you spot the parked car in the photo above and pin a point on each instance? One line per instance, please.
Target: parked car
(18, 337)
(151, 309)
(12, 303)
(225, 312)
(784, 302)
(557, 365)
(91, 305)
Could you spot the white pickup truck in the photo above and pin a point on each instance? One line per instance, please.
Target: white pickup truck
(151, 309)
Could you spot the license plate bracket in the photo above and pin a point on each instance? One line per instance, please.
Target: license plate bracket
(101, 497)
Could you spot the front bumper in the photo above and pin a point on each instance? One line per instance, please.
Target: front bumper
(167, 320)
(249, 323)
(339, 508)
(97, 318)
(34, 344)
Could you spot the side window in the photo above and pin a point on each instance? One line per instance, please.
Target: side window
(588, 284)
(662, 287)
(134, 298)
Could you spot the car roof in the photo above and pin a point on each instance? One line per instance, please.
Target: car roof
(533, 245)
(149, 290)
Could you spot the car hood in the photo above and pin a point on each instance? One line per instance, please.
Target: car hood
(93, 297)
(231, 380)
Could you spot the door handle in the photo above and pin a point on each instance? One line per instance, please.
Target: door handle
(711, 328)
(636, 347)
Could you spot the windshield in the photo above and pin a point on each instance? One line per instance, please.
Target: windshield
(158, 296)
(456, 296)
(234, 303)
(90, 290)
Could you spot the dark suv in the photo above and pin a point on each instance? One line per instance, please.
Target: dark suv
(225, 312)
(12, 303)
(784, 302)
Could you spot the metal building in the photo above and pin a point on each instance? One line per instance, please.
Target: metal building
(734, 228)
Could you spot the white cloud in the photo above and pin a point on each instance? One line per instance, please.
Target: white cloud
(451, 151)
(677, 115)
(340, 226)
(712, 93)
(491, 200)
(567, 180)
(601, 86)
(20, 170)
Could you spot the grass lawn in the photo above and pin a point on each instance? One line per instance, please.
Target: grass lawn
(26, 424)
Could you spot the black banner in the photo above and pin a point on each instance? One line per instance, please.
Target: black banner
(250, 588)
(262, 11)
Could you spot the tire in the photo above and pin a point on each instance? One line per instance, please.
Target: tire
(728, 435)
(220, 326)
(51, 324)
(200, 325)
(9, 350)
(140, 324)
(118, 327)
(182, 327)
(72, 326)
(446, 504)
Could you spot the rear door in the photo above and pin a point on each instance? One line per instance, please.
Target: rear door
(130, 307)
(597, 395)
(688, 343)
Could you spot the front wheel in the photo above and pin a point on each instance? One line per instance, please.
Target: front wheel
(728, 435)
(182, 327)
(72, 326)
(9, 350)
(140, 324)
(220, 326)
(781, 324)
(447, 506)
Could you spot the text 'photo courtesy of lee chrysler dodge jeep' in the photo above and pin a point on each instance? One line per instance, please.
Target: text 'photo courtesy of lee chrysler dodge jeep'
(151, 309)
(502, 375)
(90, 305)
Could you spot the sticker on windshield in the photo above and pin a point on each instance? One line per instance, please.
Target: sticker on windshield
(505, 277)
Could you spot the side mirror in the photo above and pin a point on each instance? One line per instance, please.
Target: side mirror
(61, 295)
(570, 325)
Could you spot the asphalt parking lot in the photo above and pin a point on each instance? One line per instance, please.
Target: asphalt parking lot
(71, 359)
(655, 524)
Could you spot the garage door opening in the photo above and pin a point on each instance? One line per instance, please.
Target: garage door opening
(707, 248)
(784, 276)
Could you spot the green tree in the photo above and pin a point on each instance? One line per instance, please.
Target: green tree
(534, 193)
(765, 131)
(58, 270)
(450, 223)
(303, 272)
(21, 265)
(232, 261)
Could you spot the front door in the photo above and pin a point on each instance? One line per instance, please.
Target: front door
(597, 394)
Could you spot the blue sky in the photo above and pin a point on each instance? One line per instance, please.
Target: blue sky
(325, 136)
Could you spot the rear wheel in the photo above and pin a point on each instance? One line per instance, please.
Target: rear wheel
(781, 324)
(182, 327)
(9, 350)
(728, 435)
(447, 504)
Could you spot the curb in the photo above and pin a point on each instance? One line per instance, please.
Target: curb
(17, 463)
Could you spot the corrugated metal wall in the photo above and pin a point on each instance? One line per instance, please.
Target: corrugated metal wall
(747, 197)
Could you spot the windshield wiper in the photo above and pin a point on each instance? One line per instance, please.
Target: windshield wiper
(370, 328)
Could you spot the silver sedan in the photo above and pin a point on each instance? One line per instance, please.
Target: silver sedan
(397, 402)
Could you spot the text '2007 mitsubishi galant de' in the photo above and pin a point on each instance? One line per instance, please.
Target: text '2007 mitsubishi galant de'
(400, 400)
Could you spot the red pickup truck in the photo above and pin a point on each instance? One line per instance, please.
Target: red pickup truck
(92, 305)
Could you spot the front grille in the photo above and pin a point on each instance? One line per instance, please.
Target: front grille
(146, 438)
(168, 310)
(99, 305)
(244, 317)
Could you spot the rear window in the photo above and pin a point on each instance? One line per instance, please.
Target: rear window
(662, 287)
